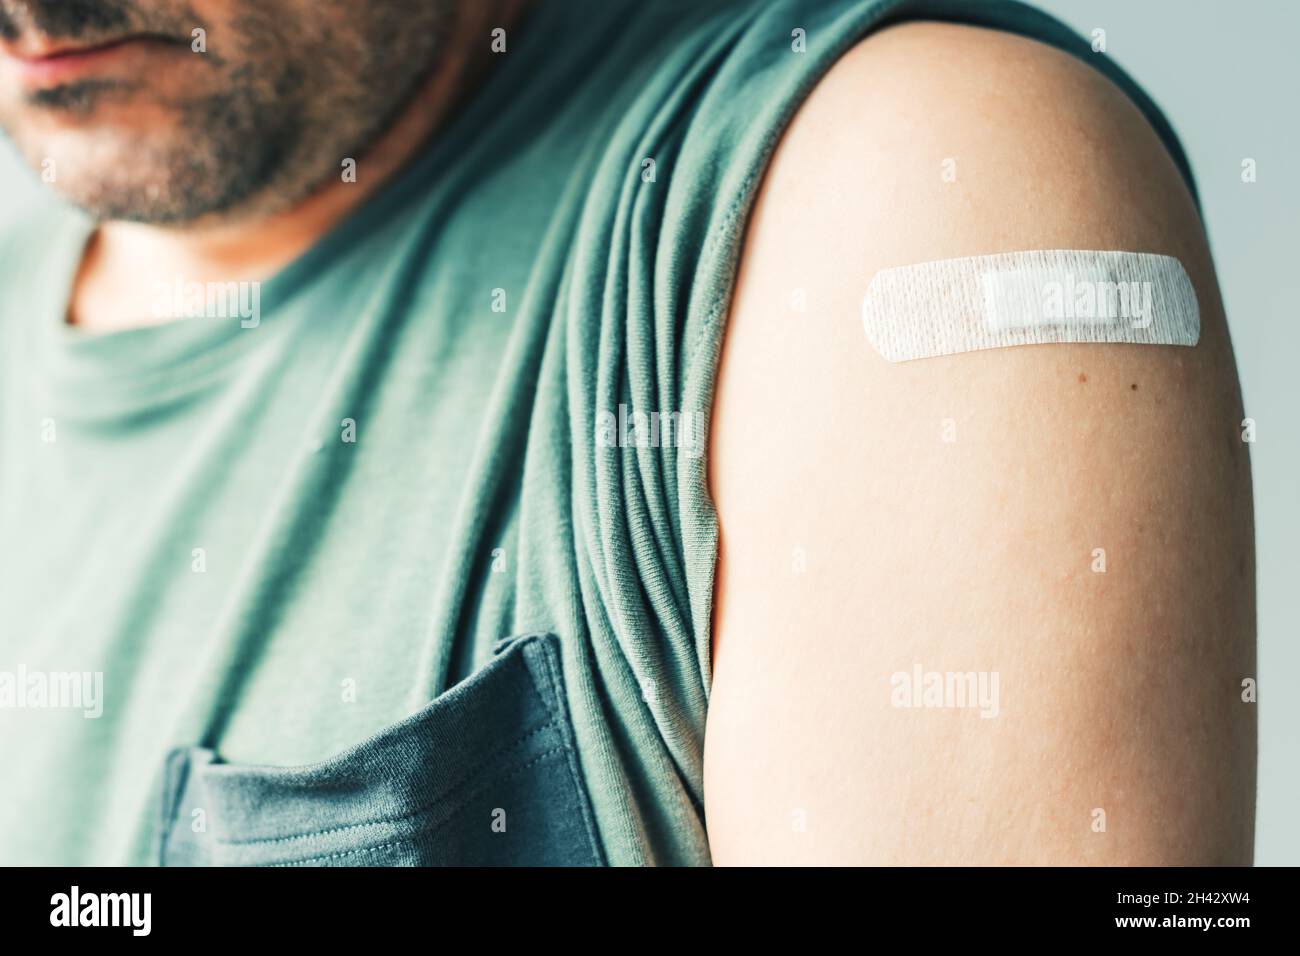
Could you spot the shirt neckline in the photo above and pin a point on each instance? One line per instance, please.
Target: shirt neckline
(107, 374)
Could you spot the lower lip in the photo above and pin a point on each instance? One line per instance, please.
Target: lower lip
(69, 67)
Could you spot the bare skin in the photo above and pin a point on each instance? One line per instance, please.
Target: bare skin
(134, 138)
(1121, 736)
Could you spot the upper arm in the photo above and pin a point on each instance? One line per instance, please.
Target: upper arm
(856, 543)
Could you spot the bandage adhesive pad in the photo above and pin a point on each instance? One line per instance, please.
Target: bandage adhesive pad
(1030, 298)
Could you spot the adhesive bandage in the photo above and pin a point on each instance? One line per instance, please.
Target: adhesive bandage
(1030, 298)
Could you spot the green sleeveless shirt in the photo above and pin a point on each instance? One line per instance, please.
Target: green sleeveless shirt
(475, 409)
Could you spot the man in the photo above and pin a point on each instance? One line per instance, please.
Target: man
(359, 445)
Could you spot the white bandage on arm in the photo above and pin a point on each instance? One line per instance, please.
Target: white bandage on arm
(1030, 298)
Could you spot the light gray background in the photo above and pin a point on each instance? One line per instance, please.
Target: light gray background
(1226, 76)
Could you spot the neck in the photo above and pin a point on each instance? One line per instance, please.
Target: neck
(124, 261)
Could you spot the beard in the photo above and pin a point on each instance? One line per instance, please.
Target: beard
(245, 111)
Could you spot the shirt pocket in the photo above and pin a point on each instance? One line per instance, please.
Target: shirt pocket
(487, 774)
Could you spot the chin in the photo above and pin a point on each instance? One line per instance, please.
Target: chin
(112, 174)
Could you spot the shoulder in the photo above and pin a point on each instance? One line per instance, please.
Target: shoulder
(934, 141)
(950, 511)
(928, 142)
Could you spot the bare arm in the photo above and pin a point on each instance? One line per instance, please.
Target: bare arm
(857, 543)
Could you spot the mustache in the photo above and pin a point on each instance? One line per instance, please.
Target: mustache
(67, 19)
